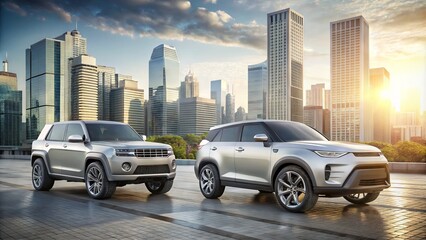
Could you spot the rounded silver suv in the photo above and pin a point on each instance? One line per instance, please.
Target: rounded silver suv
(103, 154)
(292, 160)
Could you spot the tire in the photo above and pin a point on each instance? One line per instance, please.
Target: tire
(97, 184)
(40, 176)
(159, 187)
(362, 198)
(210, 182)
(293, 190)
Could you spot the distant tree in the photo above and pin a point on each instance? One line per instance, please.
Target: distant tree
(192, 142)
(390, 153)
(411, 152)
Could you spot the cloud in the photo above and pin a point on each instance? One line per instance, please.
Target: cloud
(14, 8)
(166, 19)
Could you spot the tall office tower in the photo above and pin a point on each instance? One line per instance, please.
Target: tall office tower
(190, 87)
(327, 99)
(197, 115)
(10, 108)
(218, 90)
(84, 89)
(316, 95)
(119, 77)
(106, 82)
(285, 65)
(318, 118)
(230, 108)
(240, 114)
(164, 90)
(74, 46)
(381, 104)
(257, 90)
(127, 105)
(44, 84)
(351, 116)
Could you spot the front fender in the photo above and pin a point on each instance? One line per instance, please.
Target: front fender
(292, 160)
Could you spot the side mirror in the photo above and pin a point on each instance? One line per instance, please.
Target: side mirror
(75, 138)
(260, 138)
(143, 137)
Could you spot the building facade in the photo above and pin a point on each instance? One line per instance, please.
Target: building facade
(230, 108)
(351, 115)
(285, 65)
(381, 104)
(318, 118)
(164, 90)
(127, 105)
(257, 90)
(197, 115)
(84, 90)
(106, 82)
(240, 114)
(218, 91)
(190, 87)
(316, 95)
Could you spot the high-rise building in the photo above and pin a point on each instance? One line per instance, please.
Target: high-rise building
(285, 65)
(230, 108)
(218, 90)
(316, 95)
(84, 90)
(327, 99)
(351, 115)
(164, 90)
(119, 77)
(411, 102)
(127, 105)
(318, 118)
(240, 114)
(197, 115)
(381, 104)
(45, 69)
(190, 87)
(10, 108)
(257, 90)
(106, 82)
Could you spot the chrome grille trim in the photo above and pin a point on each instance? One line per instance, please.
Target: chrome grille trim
(151, 152)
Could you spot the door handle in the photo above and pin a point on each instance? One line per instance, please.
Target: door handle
(213, 148)
(239, 149)
(65, 146)
(46, 145)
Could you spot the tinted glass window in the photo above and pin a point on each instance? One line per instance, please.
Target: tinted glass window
(212, 134)
(230, 134)
(57, 133)
(111, 132)
(293, 131)
(250, 130)
(74, 129)
(217, 137)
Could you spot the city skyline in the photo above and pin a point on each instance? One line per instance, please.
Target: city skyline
(390, 47)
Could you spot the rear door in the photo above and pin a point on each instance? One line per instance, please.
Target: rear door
(252, 159)
(54, 147)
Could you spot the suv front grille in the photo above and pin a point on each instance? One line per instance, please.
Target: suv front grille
(151, 152)
(372, 182)
(152, 169)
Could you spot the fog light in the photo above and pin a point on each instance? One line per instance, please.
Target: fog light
(174, 164)
(327, 172)
(126, 166)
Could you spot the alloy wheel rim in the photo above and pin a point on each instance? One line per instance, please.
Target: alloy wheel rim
(95, 181)
(357, 196)
(291, 189)
(37, 175)
(207, 181)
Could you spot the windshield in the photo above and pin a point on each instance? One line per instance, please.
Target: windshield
(294, 131)
(111, 132)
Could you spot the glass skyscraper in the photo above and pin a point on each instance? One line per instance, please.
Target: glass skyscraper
(106, 82)
(218, 90)
(257, 90)
(163, 90)
(285, 65)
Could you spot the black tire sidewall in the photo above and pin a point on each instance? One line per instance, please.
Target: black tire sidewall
(217, 189)
(40, 163)
(103, 191)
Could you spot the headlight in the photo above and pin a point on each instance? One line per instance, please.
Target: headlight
(125, 152)
(169, 152)
(330, 154)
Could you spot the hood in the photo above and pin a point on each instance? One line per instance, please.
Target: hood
(131, 144)
(331, 146)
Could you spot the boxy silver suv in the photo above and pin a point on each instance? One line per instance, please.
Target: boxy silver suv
(292, 160)
(103, 154)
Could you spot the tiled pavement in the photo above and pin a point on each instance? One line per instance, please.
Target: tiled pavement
(66, 212)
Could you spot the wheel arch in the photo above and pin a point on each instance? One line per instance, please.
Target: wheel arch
(204, 162)
(288, 161)
(102, 159)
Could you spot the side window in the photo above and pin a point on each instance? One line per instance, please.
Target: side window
(250, 130)
(230, 134)
(74, 129)
(57, 132)
(212, 134)
(218, 136)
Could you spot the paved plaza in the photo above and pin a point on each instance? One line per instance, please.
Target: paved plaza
(67, 212)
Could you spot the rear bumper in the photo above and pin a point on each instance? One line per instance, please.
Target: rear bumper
(362, 179)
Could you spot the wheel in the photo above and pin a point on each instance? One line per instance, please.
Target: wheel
(362, 198)
(40, 177)
(210, 182)
(293, 190)
(159, 187)
(97, 184)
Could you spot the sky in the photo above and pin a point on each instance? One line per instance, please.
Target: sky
(217, 39)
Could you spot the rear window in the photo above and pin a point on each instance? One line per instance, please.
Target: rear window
(57, 132)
